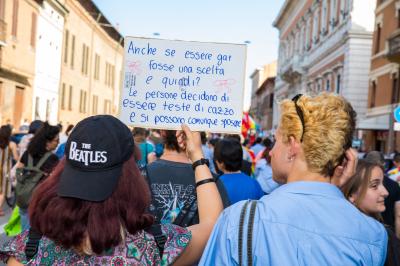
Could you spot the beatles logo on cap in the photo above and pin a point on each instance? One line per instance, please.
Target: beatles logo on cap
(86, 155)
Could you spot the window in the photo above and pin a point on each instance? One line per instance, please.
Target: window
(106, 76)
(66, 46)
(72, 51)
(85, 59)
(97, 67)
(301, 40)
(109, 75)
(343, 8)
(70, 98)
(107, 106)
(378, 38)
(48, 109)
(33, 30)
(398, 18)
(328, 84)
(333, 19)
(271, 100)
(15, 19)
(338, 77)
(112, 76)
(315, 26)
(95, 104)
(2, 9)
(373, 94)
(82, 102)
(324, 17)
(37, 102)
(63, 97)
(395, 89)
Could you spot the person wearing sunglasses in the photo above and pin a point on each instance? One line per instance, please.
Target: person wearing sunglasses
(307, 220)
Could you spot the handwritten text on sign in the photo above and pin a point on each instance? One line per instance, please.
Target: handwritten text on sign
(167, 83)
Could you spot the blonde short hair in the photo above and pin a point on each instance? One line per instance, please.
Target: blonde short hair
(329, 122)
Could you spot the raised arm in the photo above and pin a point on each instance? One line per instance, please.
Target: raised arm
(208, 199)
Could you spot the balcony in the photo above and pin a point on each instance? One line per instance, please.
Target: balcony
(291, 69)
(394, 47)
(3, 32)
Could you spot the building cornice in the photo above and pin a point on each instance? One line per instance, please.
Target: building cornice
(282, 11)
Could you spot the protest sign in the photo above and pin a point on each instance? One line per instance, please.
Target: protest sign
(167, 83)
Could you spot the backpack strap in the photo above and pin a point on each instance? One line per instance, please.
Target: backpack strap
(250, 233)
(30, 161)
(241, 224)
(159, 237)
(32, 245)
(43, 159)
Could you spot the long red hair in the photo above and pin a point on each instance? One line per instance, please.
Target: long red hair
(68, 221)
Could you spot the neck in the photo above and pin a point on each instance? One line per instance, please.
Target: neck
(176, 156)
(230, 172)
(300, 172)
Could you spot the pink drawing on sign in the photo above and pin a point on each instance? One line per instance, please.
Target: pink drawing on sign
(224, 85)
(134, 67)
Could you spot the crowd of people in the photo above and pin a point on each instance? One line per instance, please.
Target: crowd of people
(111, 195)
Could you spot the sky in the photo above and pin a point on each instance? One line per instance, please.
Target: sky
(226, 21)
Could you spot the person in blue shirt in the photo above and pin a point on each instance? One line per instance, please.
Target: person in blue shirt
(228, 155)
(263, 172)
(307, 220)
(258, 146)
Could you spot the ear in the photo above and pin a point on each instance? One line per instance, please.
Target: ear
(220, 166)
(353, 198)
(294, 146)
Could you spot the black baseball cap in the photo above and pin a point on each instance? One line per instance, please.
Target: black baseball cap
(95, 153)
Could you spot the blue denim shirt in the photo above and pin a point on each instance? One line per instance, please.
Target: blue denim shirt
(300, 223)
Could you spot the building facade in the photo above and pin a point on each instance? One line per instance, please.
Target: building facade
(262, 98)
(50, 27)
(325, 45)
(18, 20)
(91, 64)
(384, 94)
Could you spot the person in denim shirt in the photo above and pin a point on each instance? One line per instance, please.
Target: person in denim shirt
(307, 220)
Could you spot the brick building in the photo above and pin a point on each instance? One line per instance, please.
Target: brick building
(383, 94)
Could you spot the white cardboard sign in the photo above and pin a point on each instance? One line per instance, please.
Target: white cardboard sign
(167, 83)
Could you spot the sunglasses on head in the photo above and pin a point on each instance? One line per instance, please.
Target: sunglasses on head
(299, 113)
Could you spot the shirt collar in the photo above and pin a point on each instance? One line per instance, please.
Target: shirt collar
(311, 188)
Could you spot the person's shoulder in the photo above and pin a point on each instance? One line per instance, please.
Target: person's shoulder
(390, 183)
(53, 158)
(160, 163)
(14, 247)
(231, 215)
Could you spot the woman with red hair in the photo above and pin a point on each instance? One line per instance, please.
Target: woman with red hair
(92, 210)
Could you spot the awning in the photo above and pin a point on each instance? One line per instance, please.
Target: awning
(380, 122)
(7, 74)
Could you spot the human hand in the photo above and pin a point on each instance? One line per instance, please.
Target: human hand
(190, 142)
(344, 172)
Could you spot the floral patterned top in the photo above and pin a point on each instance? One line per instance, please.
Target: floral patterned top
(138, 249)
